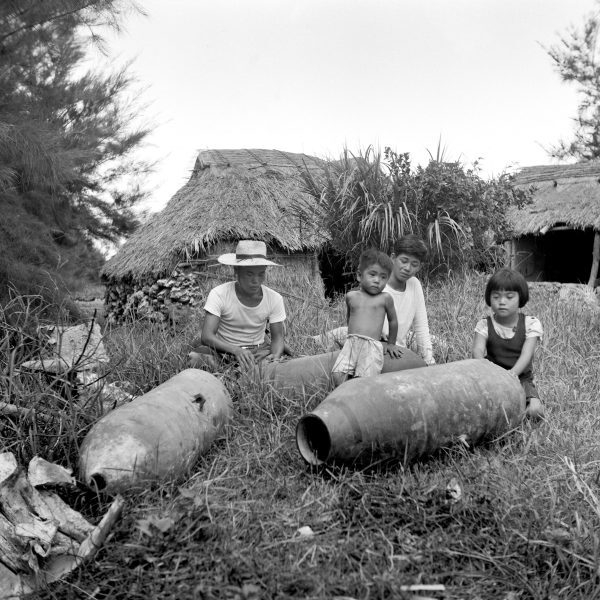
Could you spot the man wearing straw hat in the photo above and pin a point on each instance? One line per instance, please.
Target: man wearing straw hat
(237, 313)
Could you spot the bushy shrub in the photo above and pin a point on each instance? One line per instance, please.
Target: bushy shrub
(369, 200)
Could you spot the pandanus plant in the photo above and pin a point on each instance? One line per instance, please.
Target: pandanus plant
(366, 200)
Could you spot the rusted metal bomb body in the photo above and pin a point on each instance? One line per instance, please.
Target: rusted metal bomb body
(412, 413)
(155, 436)
(312, 374)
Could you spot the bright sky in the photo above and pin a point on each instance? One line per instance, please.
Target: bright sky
(314, 76)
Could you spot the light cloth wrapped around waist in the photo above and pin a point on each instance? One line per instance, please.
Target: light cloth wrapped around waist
(361, 356)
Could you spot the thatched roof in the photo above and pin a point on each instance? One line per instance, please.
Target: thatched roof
(566, 195)
(267, 160)
(231, 195)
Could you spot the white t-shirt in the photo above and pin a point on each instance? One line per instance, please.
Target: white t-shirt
(533, 328)
(243, 325)
(411, 314)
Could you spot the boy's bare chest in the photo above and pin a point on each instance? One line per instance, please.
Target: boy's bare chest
(363, 302)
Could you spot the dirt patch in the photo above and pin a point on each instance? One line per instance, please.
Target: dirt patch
(88, 307)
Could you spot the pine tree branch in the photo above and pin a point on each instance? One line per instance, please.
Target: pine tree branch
(49, 19)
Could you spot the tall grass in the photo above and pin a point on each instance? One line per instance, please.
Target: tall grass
(526, 526)
(50, 418)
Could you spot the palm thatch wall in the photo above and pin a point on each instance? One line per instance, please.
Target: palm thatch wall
(556, 236)
(231, 195)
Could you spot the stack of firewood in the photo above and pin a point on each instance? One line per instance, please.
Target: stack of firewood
(42, 538)
(168, 299)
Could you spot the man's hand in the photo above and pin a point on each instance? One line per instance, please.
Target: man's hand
(266, 355)
(263, 353)
(393, 350)
(245, 358)
(271, 358)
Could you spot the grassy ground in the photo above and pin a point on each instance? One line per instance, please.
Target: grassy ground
(527, 525)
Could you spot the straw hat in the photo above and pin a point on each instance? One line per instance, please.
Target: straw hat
(248, 253)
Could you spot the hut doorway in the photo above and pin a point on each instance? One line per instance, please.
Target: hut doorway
(333, 268)
(562, 254)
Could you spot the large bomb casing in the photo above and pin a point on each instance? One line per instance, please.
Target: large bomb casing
(156, 436)
(308, 375)
(412, 413)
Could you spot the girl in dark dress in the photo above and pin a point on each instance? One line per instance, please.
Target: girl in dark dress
(508, 338)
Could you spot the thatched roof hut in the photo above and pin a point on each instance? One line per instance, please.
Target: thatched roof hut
(231, 195)
(557, 234)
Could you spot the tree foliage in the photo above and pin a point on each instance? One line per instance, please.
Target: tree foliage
(66, 138)
(576, 60)
(370, 200)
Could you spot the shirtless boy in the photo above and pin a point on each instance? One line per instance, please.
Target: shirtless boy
(362, 354)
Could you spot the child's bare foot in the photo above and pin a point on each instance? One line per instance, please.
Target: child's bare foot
(534, 408)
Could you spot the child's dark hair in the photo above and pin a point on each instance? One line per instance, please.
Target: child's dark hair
(374, 257)
(412, 245)
(507, 280)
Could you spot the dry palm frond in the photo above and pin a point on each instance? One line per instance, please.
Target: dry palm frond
(443, 230)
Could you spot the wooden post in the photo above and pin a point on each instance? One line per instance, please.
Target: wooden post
(595, 260)
(509, 248)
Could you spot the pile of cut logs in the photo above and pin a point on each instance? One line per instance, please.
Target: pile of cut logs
(171, 298)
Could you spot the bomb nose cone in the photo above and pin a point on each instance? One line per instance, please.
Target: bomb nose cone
(97, 481)
(111, 459)
(313, 440)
